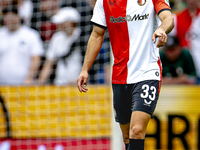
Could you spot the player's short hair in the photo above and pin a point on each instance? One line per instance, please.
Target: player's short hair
(8, 9)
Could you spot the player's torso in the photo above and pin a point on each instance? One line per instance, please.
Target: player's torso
(131, 24)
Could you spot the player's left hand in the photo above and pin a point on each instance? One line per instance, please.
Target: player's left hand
(160, 33)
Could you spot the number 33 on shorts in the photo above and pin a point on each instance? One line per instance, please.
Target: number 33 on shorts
(149, 93)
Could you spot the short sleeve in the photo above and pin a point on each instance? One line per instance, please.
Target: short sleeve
(98, 17)
(161, 5)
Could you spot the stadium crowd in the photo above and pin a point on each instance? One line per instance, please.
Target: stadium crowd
(44, 42)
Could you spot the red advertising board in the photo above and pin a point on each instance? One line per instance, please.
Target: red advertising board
(54, 144)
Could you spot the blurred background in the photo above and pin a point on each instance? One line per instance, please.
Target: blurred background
(42, 47)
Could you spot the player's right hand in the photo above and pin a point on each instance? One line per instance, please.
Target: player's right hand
(82, 81)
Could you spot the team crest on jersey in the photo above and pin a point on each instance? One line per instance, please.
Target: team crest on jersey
(142, 2)
(112, 2)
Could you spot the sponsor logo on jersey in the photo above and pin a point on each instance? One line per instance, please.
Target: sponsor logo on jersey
(147, 102)
(142, 2)
(117, 20)
(136, 17)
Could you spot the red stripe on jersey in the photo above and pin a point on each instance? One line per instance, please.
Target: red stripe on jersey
(160, 67)
(159, 5)
(118, 32)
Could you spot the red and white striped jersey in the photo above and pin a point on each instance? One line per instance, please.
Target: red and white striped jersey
(131, 24)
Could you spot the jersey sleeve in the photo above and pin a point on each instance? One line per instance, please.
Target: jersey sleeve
(98, 17)
(161, 5)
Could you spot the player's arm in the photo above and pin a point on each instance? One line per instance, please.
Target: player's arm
(94, 45)
(35, 63)
(166, 27)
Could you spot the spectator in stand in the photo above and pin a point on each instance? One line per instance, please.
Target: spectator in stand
(20, 50)
(3, 4)
(25, 8)
(178, 65)
(41, 20)
(86, 12)
(188, 37)
(64, 49)
(48, 28)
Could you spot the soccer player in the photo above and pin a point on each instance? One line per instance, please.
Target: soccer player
(137, 28)
(64, 49)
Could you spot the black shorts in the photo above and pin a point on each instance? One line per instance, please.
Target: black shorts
(141, 96)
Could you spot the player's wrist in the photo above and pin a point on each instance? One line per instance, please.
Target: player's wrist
(85, 70)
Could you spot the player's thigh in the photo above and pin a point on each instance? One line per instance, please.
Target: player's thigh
(145, 96)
